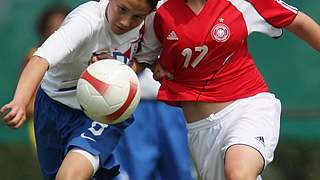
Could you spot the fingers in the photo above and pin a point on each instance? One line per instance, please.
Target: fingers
(17, 121)
(161, 75)
(99, 56)
(4, 111)
(13, 116)
(93, 60)
(104, 56)
(10, 115)
(160, 72)
(12, 119)
(155, 77)
(4, 108)
(169, 76)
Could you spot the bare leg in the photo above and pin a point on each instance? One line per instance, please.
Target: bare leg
(243, 163)
(75, 166)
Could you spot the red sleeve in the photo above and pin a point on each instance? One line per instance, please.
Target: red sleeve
(276, 12)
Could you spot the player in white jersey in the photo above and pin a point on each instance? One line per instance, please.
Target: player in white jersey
(69, 144)
(206, 68)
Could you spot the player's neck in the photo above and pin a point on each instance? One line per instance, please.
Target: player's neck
(196, 5)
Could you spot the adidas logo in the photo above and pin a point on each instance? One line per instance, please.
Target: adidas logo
(172, 36)
(260, 138)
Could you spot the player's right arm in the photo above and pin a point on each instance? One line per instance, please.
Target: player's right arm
(75, 29)
(149, 47)
(29, 81)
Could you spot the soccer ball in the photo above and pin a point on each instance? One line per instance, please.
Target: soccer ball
(108, 91)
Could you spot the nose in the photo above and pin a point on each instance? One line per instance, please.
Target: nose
(125, 21)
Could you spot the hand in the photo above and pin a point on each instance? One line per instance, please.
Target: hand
(16, 115)
(137, 67)
(99, 56)
(159, 72)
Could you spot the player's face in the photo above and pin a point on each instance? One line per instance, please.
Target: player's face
(124, 15)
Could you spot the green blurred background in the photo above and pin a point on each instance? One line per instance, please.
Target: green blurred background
(290, 67)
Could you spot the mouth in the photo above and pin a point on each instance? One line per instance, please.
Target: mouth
(120, 28)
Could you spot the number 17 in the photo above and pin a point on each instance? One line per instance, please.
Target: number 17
(187, 53)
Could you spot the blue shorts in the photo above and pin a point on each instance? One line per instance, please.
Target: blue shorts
(155, 146)
(59, 128)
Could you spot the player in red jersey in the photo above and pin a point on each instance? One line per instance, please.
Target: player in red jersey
(69, 144)
(233, 119)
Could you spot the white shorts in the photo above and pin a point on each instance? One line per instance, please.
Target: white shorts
(253, 121)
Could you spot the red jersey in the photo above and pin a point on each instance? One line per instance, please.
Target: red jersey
(207, 53)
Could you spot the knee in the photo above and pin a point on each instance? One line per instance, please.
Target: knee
(238, 174)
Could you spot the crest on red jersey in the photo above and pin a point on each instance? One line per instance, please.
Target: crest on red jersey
(220, 32)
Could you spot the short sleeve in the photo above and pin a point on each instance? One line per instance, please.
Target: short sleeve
(149, 47)
(276, 12)
(75, 29)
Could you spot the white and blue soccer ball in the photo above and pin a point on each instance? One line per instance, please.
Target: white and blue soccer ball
(108, 91)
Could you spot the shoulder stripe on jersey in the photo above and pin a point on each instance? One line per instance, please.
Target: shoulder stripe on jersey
(254, 21)
(287, 6)
(160, 2)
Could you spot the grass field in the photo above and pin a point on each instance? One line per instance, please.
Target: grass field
(293, 161)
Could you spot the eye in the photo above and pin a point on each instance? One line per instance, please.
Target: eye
(139, 18)
(122, 9)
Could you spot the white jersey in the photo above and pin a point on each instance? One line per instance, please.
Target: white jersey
(84, 31)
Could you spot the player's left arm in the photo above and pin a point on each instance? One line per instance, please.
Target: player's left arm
(307, 29)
